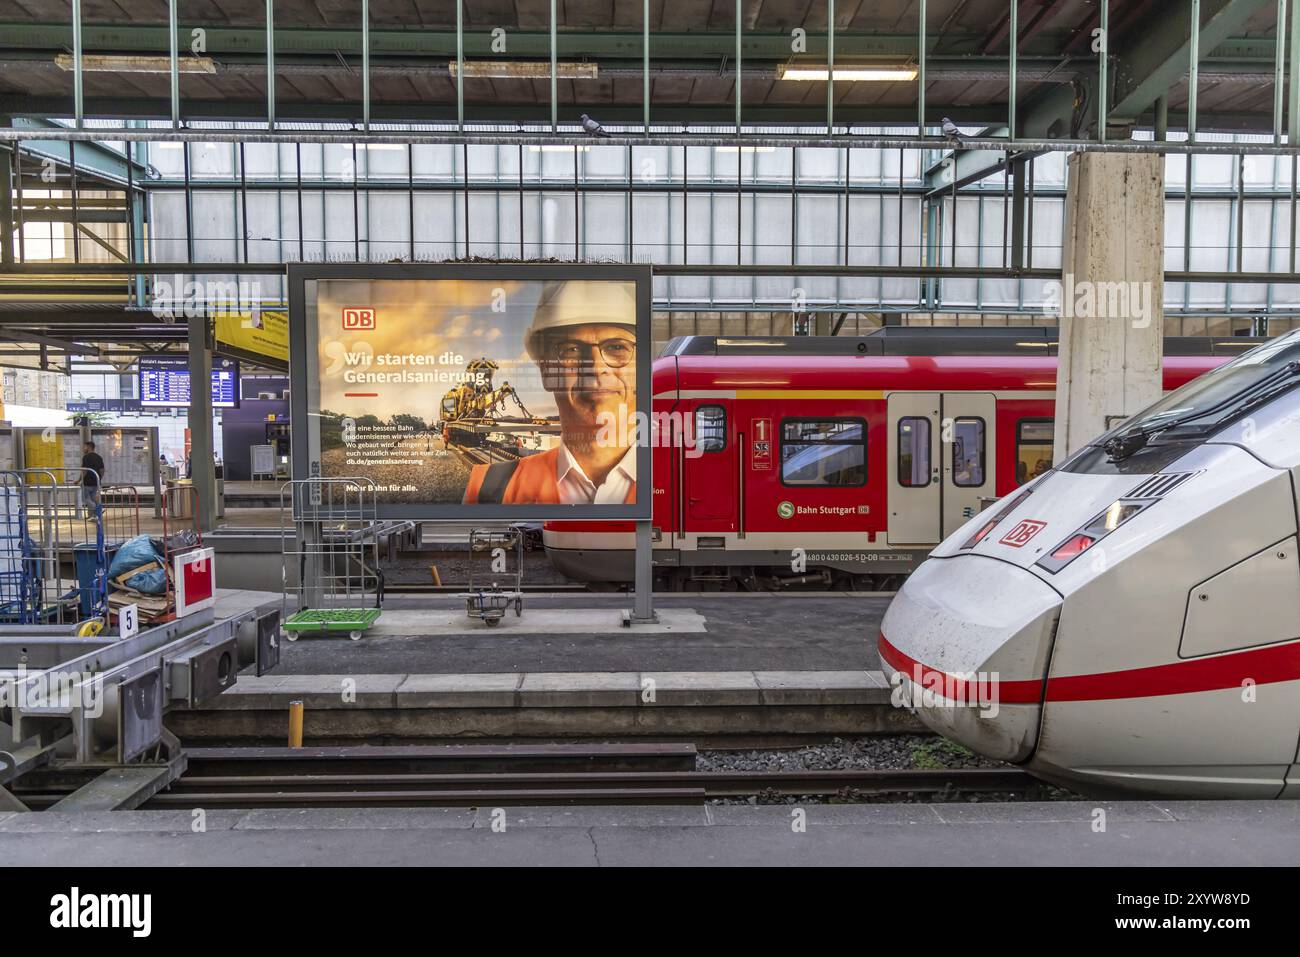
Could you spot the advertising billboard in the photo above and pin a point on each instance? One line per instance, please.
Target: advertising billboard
(490, 390)
(261, 336)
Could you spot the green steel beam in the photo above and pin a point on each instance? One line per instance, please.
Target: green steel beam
(645, 64)
(77, 41)
(969, 166)
(524, 44)
(408, 112)
(1149, 60)
(922, 50)
(830, 66)
(173, 61)
(553, 50)
(7, 225)
(94, 159)
(269, 49)
(1193, 65)
(1157, 55)
(365, 60)
(988, 114)
(1013, 33)
(1279, 69)
(1103, 66)
(1293, 124)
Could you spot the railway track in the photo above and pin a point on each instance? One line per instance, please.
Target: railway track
(473, 776)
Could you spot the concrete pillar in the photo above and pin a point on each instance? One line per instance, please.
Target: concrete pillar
(1111, 294)
(203, 471)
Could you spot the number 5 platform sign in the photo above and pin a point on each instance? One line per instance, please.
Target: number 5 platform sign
(760, 445)
(128, 621)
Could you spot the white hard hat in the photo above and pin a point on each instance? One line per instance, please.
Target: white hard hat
(580, 302)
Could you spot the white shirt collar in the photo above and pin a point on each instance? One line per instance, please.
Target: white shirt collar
(566, 463)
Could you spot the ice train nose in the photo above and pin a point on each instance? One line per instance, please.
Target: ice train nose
(966, 643)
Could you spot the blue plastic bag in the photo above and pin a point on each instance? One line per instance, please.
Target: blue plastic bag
(139, 553)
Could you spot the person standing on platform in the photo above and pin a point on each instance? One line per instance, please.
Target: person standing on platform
(92, 474)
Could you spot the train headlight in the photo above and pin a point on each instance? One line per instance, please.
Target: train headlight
(1116, 515)
(1075, 546)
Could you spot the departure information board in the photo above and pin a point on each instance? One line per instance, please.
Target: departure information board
(165, 382)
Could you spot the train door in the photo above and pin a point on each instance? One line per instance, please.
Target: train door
(969, 468)
(709, 471)
(915, 496)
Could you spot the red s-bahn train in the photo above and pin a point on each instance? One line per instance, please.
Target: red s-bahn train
(837, 461)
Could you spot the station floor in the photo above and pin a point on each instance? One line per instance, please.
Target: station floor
(879, 835)
(703, 632)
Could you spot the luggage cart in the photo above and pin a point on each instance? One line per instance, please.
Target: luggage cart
(490, 603)
(19, 591)
(332, 581)
(67, 560)
(119, 508)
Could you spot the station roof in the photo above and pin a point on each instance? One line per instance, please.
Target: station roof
(692, 60)
(318, 47)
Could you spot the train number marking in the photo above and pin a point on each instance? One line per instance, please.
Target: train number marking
(1019, 536)
(760, 445)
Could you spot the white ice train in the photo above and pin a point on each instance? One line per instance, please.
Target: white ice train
(1129, 623)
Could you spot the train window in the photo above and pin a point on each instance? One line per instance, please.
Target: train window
(1034, 443)
(711, 428)
(968, 453)
(824, 452)
(914, 452)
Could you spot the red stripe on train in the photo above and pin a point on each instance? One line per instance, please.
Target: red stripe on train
(1260, 665)
(1006, 692)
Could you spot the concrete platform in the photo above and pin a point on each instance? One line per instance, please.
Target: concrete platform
(736, 706)
(758, 631)
(878, 835)
(541, 621)
(724, 666)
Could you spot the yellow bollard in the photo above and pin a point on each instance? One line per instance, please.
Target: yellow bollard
(295, 724)
(437, 579)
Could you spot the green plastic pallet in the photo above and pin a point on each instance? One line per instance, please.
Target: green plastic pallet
(332, 619)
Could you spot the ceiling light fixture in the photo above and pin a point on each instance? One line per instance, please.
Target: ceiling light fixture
(525, 70)
(879, 74)
(114, 63)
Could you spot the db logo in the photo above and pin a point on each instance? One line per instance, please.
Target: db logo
(1022, 533)
(355, 317)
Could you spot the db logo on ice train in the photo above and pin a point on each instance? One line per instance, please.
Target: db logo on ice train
(356, 317)
(1022, 533)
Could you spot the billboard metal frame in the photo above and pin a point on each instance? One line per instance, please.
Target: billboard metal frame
(304, 372)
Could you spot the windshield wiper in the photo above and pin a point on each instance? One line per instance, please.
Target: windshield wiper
(1134, 440)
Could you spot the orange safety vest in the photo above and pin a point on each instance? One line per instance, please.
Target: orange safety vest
(525, 481)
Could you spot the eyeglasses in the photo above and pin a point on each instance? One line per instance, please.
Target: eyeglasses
(572, 353)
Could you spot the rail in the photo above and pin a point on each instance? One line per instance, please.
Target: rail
(460, 776)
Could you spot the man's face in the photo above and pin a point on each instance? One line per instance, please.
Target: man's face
(87, 448)
(590, 369)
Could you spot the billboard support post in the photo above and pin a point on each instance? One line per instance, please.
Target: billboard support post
(642, 610)
(203, 471)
